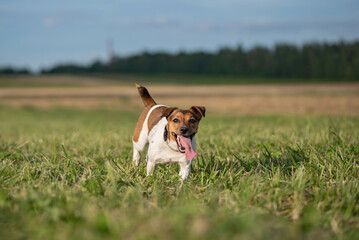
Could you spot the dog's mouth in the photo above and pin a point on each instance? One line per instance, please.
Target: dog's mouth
(184, 144)
(181, 144)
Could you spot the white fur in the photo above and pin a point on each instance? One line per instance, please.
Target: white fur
(159, 151)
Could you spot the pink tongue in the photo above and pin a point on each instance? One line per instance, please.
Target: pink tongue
(187, 144)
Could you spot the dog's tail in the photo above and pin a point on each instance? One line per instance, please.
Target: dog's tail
(146, 97)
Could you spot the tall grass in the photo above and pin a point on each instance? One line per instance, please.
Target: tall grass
(67, 174)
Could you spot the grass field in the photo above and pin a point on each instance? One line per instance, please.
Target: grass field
(67, 174)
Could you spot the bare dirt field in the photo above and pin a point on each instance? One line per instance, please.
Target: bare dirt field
(334, 98)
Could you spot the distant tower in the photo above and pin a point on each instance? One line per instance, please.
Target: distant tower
(110, 54)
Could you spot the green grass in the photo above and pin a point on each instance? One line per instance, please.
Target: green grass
(67, 174)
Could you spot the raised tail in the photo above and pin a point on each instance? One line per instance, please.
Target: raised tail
(146, 97)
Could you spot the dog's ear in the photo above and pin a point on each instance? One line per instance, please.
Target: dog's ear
(168, 111)
(199, 110)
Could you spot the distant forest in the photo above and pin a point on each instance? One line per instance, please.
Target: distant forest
(313, 60)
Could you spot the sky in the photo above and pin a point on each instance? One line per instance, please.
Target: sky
(40, 33)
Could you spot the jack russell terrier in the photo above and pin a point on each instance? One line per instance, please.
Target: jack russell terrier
(170, 132)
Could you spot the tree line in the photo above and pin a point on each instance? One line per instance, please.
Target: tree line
(338, 60)
(11, 70)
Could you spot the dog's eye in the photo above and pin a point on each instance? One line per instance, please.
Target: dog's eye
(175, 120)
(192, 120)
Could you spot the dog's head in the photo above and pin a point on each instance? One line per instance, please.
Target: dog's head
(183, 125)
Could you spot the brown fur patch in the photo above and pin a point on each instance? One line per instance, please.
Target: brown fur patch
(155, 117)
(141, 119)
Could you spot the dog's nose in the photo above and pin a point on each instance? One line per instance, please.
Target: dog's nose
(184, 129)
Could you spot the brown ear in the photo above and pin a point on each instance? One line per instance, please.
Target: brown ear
(199, 110)
(168, 111)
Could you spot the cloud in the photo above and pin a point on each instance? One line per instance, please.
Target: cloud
(274, 26)
(157, 21)
(69, 17)
(48, 22)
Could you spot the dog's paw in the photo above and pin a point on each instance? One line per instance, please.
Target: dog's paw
(135, 163)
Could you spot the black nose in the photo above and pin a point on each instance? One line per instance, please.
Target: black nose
(184, 129)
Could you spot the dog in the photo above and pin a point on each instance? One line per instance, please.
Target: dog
(170, 133)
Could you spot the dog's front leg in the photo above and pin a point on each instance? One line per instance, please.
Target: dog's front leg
(185, 170)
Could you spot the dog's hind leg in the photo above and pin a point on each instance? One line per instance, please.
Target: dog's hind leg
(138, 147)
(136, 156)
